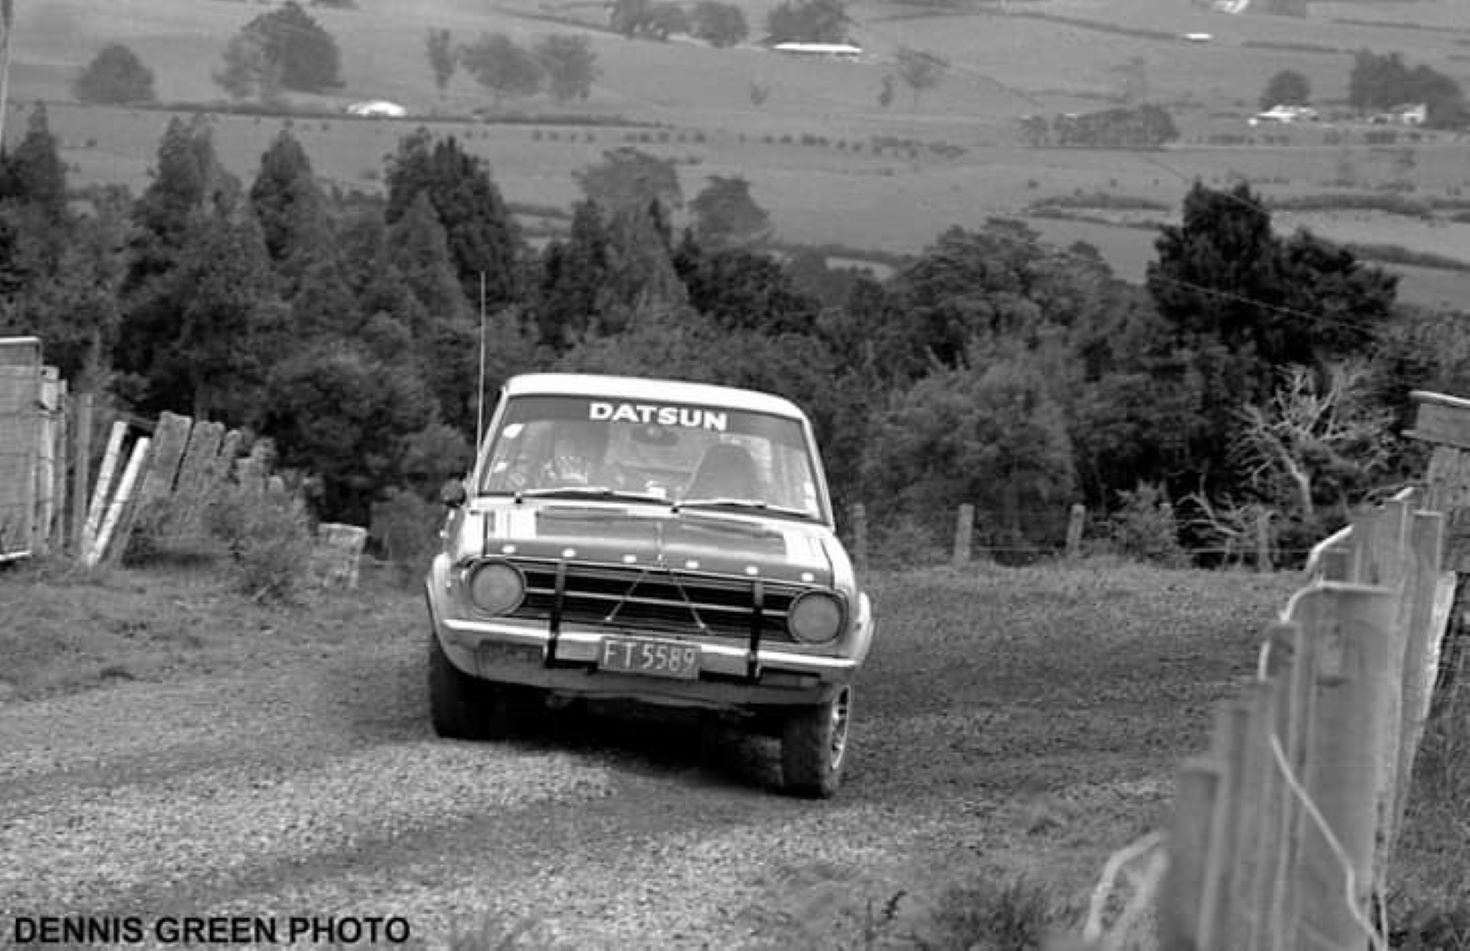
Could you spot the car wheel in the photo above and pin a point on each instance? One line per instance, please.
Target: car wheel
(462, 707)
(814, 747)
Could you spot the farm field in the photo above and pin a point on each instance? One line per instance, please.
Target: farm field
(808, 149)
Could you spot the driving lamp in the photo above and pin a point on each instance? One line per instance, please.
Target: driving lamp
(815, 618)
(496, 587)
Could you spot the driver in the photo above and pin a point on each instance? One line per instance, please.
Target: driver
(578, 456)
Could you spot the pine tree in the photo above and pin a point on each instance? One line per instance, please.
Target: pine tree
(290, 206)
(482, 235)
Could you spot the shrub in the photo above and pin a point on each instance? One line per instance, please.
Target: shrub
(905, 543)
(1144, 527)
(404, 528)
(1016, 915)
(268, 535)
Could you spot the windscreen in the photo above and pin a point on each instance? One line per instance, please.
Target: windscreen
(667, 451)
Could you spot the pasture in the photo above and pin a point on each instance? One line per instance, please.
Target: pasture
(809, 148)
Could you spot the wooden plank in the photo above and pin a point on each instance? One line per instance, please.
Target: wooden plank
(1440, 419)
(964, 530)
(860, 538)
(1298, 718)
(169, 439)
(1228, 751)
(81, 469)
(118, 504)
(101, 493)
(195, 480)
(58, 492)
(1190, 856)
(1352, 625)
(1273, 831)
(114, 547)
(44, 470)
(1075, 522)
(1427, 607)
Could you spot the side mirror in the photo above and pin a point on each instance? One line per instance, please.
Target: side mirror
(452, 493)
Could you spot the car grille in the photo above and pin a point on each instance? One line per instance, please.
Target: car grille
(653, 600)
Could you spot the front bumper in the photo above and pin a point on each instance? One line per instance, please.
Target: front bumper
(514, 653)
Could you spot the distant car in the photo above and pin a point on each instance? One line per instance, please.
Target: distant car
(1198, 37)
(377, 108)
(1285, 115)
(666, 543)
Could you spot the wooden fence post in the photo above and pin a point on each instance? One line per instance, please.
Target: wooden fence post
(964, 532)
(1444, 422)
(1263, 541)
(859, 515)
(1191, 854)
(1228, 750)
(1353, 625)
(81, 469)
(1431, 597)
(1075, 520)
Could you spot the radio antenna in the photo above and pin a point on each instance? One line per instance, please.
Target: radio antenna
(480, 390)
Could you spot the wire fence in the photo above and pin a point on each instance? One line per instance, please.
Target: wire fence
(1284, 831)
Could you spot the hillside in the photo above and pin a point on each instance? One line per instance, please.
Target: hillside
(823, 156)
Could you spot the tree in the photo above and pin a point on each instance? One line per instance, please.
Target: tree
(1385, 82)
(725, 214)
(188, 183)
(630, 17)
(340, 413)
(808, 21)
(284, 48)
(483, 236)
(665, 19)
(627, 177)
(920, 71)
(115, 75)
(249, 71)
(720, 24)
(570, 65)
(290, 206)
(574, 273)
(1315, 436)
(442, 60)
(226, 299)
(640, 273)
(741, 289)
(34, 173)
(989, 435)
(1287, 88)
(502, 66)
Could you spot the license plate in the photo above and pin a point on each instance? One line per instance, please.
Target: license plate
(637, 655)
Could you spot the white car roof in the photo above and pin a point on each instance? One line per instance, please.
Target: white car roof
(647, 388)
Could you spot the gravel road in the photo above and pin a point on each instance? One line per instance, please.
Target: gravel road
(314, 789)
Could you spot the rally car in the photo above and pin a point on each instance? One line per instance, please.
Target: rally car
(659, 542)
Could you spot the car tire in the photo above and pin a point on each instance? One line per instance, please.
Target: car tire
(454, 696)
(462, 707)
(814, 747)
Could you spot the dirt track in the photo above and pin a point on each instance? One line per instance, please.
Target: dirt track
(314, 788)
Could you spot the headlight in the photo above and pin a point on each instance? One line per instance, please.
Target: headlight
(496, 587)
(815, 618)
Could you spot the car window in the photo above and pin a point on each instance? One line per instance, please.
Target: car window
(674, 452)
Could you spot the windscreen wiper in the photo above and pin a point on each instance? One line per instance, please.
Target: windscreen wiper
(589, 491)
(737, 503)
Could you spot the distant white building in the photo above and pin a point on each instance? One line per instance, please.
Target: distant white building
(377, 108)
(833, 50)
